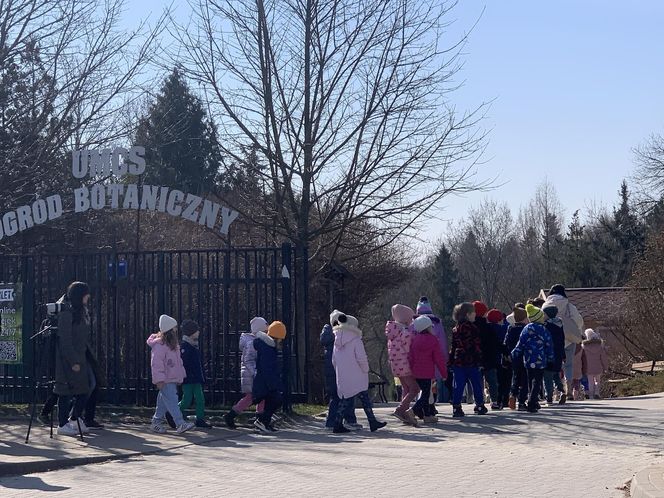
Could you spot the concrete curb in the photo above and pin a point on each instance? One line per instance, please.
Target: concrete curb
(648, 483)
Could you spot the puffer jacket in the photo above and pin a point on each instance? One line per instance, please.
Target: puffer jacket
(399, 337)
(350, 361)
(594, 357)
(248, 362)
(440, 334)
(425, 357)
(268, 372)
(466, 345)
(572, 319)
(534, 347)
(166, 363)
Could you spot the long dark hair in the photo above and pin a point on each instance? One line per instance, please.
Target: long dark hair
(75, 294)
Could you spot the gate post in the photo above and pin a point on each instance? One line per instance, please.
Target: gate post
(286, 271)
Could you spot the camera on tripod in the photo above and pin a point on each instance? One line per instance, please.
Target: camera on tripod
(55, 308)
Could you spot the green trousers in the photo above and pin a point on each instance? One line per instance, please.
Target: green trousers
(193, 392)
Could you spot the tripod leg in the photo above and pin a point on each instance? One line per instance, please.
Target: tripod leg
(32, 416)
(52, 423)
(80, 431)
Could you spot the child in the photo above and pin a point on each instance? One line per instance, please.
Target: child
(267, 384)
(490, 351)
(552, 373)
(537, 352)
(352, 368)
(167, 372)
(247, 370)
(594, 362)
(519, 387)
(192, 388)
(350, 421)
(424, 309)
(577, 374)
(496, 320)
(466, 358)
(424, 358)
(399, 337)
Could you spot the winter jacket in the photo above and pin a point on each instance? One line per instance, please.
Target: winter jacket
(247, 362)
(399, 337)
(534, 347)
(350, 361)
(466, 345)
(572, 320)
(166, 363)
(439, 333)
(72, 348)
(489, 344)
(327, 341)
(425, 357)
(510, 342)
(268, 372)
(193, 363)
(555, 328)
(594, 357)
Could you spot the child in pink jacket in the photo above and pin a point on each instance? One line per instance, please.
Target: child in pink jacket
(594, 362)
(167, 372)
(425, 356)
(399, 336)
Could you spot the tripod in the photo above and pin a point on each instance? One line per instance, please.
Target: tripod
(45, 332)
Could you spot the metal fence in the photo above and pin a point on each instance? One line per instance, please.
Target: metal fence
(222, 289)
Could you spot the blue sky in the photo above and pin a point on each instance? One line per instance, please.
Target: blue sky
(575, 85)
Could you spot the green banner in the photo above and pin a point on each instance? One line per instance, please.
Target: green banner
(11, 323)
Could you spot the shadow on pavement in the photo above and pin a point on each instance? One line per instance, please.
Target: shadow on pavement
(30, 482)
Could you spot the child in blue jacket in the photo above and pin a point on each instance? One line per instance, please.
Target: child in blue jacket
(192, 388)
(536, 349)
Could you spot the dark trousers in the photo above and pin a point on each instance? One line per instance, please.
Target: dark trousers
(333, 408)
(535, 377)
(504, 384)
(422, 404)
(273, 401)
(90, 410)
(366, 405)
(519, 382)
(70, 407)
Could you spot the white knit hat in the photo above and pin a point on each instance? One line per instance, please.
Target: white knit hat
(167, 323)
(258, 324)
(422, 323)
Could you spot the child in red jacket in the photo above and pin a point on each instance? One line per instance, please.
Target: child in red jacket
(424, 357)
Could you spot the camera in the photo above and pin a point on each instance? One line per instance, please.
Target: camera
(55, 308)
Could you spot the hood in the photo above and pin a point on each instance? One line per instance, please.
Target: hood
(402, 314)
(559, 301)
(154, 339)
(346, 333)
(556, 321)
(266, 339)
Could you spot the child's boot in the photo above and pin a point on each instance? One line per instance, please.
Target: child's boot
(374, 425)
(201, 423)
(512, 403)
(229, 419)
(411, 419)
(339, 428)
(458, 412)
(481, 410)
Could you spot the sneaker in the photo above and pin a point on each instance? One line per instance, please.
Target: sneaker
(522, 407)
(93, 424)
(354, 427)
(158, 428)
(68, 430)
(481, 410)
(476, 409)
(496, 406)
(411, 419)
(184, 427)
(84, 428)
(563, 399)
(431, 419)
(458, 412)
(229, 419)
(340, 429)
(44, 419)
(258, 424)
(170, 421)
(512, 403)
(201, 423)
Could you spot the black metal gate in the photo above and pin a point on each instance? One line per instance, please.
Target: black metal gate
(222, 289)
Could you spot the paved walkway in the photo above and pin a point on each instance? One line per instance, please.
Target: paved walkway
(585, 449)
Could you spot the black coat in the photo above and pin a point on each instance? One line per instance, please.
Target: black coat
(327, 341)
(489, 344)
(558, 339)
(193, 364)
(511, 340)
(72, 348)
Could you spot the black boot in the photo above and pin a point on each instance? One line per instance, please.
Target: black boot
(229, 419)
(374, 425)
(481, 410)
(340, 429)
(458, 412)
(170, 421)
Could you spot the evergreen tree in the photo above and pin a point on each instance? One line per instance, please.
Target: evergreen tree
(181, 147)
(446, 282)
(629, 234)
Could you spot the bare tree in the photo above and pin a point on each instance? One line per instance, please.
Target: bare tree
(347, 102)
(650, 168)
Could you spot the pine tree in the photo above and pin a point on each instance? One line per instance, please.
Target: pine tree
(446, 282)
(629, 234)
(180, 141)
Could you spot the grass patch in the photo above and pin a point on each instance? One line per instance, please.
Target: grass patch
(640, 385)
(311, 410)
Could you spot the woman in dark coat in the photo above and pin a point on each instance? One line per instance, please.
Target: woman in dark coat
(74, 376)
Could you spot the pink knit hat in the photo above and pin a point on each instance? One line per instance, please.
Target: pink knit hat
(402, 314)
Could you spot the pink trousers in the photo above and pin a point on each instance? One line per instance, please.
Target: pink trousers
(410, 391)
(246, 402)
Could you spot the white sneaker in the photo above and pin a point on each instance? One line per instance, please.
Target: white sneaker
(84, 428)
(184, 427)
(158, 428)
(68, 430)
